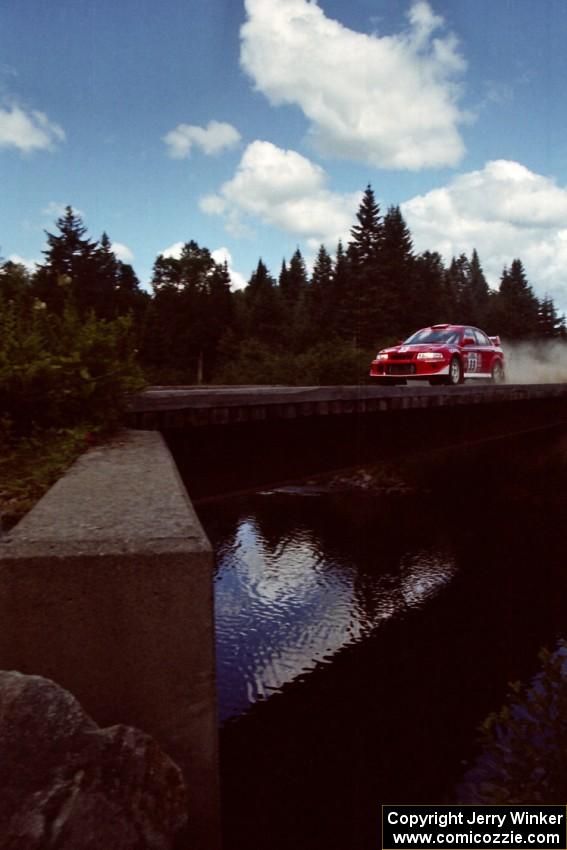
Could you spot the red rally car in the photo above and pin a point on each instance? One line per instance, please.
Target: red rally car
(441, 354)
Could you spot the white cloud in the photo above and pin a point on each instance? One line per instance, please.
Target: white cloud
(219, 255)
(283, 189)
(389, 100)
(55, 210)
(505, 211)
(28, 130)
(212, 139)
(174, 251)
(212, 205)
(223, 255)
(122, 252)
(29, 265)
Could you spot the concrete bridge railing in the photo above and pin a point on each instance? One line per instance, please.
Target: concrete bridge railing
(106, 588)
(174, 408)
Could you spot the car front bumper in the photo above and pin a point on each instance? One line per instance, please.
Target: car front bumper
(408, 369)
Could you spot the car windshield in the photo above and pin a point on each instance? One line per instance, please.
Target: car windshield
(436, 337)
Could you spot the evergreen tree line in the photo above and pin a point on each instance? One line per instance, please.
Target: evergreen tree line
(299, 328)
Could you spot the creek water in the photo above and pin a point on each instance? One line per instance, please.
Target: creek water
(365, 627)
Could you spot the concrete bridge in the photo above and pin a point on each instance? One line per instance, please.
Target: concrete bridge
(173, 408)
(224, 436)
(106, 585)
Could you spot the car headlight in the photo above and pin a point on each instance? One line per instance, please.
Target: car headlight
(430, 355)
(380, 356)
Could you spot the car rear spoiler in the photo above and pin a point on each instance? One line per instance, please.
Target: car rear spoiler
(495, 340)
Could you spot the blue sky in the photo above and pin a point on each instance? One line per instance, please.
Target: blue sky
(252, 126)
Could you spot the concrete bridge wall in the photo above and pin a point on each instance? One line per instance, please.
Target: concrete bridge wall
(228, 440)
(178, 408)
(106, 587)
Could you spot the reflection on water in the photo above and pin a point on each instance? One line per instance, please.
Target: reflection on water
(427, 604)
(289, 595)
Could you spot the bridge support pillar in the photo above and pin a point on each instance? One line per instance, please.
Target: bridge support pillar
(106, 588)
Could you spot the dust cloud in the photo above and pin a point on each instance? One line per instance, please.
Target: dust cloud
(538, 362)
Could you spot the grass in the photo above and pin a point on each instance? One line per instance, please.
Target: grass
(29, 466)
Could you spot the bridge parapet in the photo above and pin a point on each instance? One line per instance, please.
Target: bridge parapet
(106, 588)
(173, 408)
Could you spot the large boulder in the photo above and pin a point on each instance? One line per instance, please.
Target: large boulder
(67, 784)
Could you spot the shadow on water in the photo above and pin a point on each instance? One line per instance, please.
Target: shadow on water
(396, 620)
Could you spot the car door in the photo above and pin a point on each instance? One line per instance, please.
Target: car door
(472, 356)
(485, 351)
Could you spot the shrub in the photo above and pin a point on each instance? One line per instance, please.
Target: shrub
(325, 364)
(58, 371)
(524, 745)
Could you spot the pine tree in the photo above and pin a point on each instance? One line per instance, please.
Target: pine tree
(322, 274)
(321, 305)
(264, 316)
(282, 279)
(467, 292)
(518, 305)
(364, 247)
(478, 292)
(216, 317)
(293, 289)
(343, 319)
(70, 268)
(430, 293)
(293, 284)
(118, 288)
(456, 282)
(130, 297)
(366, 284)
(260, 281)
(397, 271)
(15, 282)
(107, 270)
(550, 325)
(68, 250)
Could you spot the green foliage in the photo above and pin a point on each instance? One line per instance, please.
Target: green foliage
(327, 363)
(15, 282)
(31, 465)
(367, 235)
(518, 307)
(304, 328)
(190, 311)
(61, 370)
(368, 300)
(333, 363)
(524, 745)
(293, 283)
(550, 325)
(87, 271)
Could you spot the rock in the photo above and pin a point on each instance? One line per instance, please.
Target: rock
(67, 784)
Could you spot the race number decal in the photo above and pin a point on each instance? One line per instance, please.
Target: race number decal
(473, 361)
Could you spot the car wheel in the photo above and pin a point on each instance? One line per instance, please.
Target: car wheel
(497, 375)
(455, 375)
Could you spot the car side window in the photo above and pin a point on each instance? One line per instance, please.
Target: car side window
(481, 337)
(469, 334)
